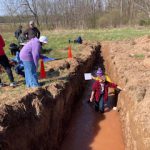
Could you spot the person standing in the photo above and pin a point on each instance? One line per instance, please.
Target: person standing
(32, 31)
(100, 93)
(18, 32)
(4, 62)
(30, 55)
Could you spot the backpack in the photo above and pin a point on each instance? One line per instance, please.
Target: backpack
(79, 40)
(13, 48)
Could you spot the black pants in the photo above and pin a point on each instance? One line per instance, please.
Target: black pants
(5, 63)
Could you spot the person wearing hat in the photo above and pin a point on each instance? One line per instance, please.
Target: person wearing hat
(30, 55)
(32, 31)
(100, 91)
(99, 74)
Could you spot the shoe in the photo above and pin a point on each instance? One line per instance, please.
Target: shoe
(114, 108)
(13, 84)
(96, 109)
(101, 111)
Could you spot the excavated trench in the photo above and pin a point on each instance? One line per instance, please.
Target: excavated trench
(40, 119)
(90, 130)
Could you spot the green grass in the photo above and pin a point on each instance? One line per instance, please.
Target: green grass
(58, 40)
(139, 56)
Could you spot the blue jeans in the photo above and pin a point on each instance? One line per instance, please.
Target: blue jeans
(30, 74)
(100, 105)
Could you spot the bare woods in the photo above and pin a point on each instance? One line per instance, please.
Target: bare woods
(82, 14)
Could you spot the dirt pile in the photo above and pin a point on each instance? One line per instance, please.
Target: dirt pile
(37, 119)
(128, 63)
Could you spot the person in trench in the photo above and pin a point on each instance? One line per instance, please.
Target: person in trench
(30, 55)
(100, 91)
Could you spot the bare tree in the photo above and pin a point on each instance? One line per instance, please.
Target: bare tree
(144, 6)
(32, 6)
(78, 13)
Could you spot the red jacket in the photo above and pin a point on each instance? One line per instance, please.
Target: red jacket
(2, 44)
(97, 89)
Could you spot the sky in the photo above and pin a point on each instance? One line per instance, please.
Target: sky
(2, 10)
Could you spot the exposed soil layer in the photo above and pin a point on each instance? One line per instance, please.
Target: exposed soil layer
(37, 119)
(90, 130)
(128, 64)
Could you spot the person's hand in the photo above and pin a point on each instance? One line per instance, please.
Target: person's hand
(118, 87)
(91, 99)
(92, 76)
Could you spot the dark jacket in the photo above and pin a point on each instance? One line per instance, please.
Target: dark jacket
(31, 33)
(18, 32)
(97, 88)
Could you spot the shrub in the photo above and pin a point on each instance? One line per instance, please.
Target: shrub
(144, 22)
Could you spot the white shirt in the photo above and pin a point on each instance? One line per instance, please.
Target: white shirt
(102, 88)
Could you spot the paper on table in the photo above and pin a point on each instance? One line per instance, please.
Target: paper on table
(87, 76)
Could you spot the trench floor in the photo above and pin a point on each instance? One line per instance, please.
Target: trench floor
(90, 130)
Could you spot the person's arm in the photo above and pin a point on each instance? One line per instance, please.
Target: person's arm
(94, 78)
(93, 91)
(92, 96)
(36, 47)
(38, 33)
(25, 33)
(20, 31)
(118, 87)
(113, 85)
(2, 43)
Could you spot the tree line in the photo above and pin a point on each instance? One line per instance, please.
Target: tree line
(70, 14)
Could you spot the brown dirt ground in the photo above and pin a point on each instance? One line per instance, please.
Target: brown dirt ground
(90, 130)
(130, 62)
(133, 60)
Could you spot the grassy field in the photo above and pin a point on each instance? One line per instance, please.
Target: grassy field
(58, 40)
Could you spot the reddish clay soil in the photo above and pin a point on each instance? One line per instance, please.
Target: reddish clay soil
(90, 130)
(128, 64)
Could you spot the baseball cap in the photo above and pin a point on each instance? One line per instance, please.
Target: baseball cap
(43, 39)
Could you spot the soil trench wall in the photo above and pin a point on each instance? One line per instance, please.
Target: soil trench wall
(134, 108)
(38, 120)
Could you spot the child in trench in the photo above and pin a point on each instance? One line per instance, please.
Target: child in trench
(100, 91)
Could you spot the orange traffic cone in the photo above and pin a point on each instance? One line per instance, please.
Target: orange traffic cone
(69, 52)
(42, 70)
